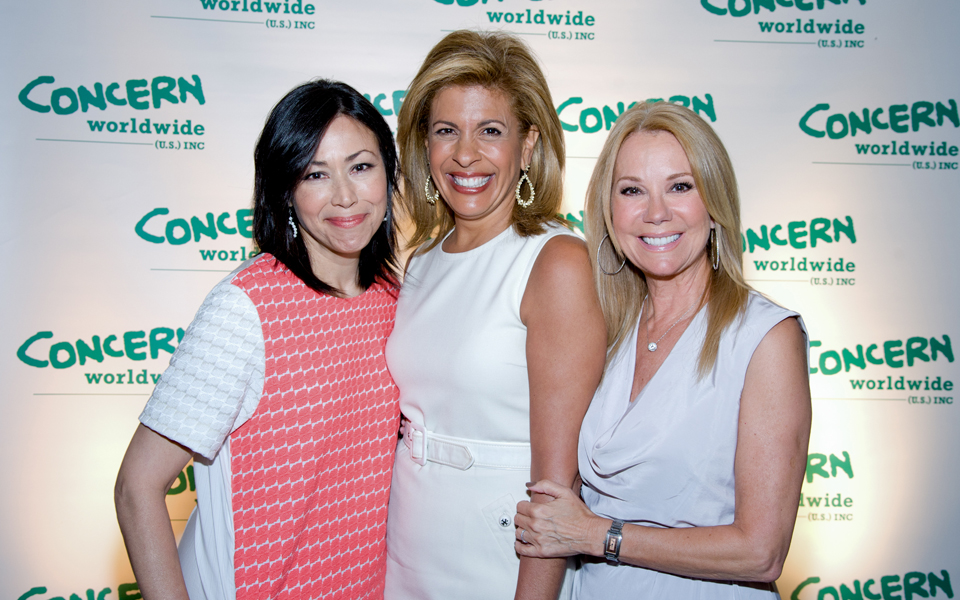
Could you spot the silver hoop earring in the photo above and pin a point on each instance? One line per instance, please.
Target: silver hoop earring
(293, 224)
(715, 247)
(431, 200)
(606, 236)
(533, 193)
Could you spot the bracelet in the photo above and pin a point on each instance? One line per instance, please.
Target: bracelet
(611, 545)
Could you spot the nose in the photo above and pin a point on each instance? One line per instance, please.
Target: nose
(465, 152)
(344, 193)
(657, 210)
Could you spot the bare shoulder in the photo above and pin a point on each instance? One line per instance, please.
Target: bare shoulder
(777, 374)
(562, 257)
(561, 283)
(785, 339)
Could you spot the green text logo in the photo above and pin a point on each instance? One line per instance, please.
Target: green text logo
(893, 353)
(817, 465)
(912, 585)
(592, 119)
(811, 26)
(179, 230)
(798, 234)
(125, 591)
(396, 97)
(898, 118)
(258, 6)
(541, 17)
(139, 94)
(742, 8)
(134, 345)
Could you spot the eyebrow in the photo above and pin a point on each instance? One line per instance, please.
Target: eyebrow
(322, 163)
(480, 124)
(669, 177)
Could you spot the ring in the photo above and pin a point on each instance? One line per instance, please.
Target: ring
(522, 541)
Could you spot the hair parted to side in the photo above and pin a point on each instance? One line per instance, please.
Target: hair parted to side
(497, 61)
(622, 295)
(286, 146)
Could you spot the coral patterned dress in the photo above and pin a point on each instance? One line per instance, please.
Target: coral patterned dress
(284, 395)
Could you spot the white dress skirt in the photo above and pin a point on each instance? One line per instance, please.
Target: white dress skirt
(458, 355)
(666, 459)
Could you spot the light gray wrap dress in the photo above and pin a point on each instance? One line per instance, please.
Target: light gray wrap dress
(666, 459)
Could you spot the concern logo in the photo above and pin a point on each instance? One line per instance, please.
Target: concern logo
(591, 119)
(914, 584)
(742, 8)
(138, 94)
(820, 121)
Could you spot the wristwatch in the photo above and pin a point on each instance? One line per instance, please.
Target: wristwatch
(611, 546)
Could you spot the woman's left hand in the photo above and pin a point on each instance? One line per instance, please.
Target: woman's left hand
(563, 526)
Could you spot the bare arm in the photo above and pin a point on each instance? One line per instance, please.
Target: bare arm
(149, 469)
(774, 428)
(566, 345)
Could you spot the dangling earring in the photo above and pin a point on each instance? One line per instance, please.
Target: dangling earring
(293, 224)
(431, 200)
(715, 248)
(533, 193)
(606, 236)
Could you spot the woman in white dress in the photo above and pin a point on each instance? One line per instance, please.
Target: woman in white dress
(499, 340)
(693, 450)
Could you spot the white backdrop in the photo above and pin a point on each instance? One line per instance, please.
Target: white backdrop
(127, 177)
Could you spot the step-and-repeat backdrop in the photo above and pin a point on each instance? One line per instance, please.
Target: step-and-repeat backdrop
(127, 172)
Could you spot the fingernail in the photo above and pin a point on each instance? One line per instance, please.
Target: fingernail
(530, 484)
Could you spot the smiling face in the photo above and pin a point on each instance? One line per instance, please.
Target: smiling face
(659, 219)
(342, 197)
(476, 152)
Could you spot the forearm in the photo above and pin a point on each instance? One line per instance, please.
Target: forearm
(149, 468)
(724, 552)
(151, 546)
(540, 578)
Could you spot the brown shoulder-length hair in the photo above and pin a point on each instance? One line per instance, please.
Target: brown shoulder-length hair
(497, 61)
(622, 294)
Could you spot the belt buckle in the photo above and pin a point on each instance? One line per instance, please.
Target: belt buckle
(415, 437)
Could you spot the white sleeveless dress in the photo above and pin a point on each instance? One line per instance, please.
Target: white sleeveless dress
(458, 355)
(666, 459)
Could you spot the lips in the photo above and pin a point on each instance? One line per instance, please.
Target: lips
(347, 222)
(469, 184)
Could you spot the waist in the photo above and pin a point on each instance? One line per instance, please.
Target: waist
(463, 453)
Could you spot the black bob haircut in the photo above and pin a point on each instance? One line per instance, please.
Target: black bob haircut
(286, 146)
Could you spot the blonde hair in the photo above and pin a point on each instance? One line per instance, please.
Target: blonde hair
(622, 294)
(496, 61)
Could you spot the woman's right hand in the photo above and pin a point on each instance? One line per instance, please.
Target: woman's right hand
(564, 526)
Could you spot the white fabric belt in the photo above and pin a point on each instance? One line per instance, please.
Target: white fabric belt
(462, 453)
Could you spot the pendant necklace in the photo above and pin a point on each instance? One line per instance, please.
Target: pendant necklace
(652, 346)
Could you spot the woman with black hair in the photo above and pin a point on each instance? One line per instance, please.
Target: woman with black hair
(279, 390)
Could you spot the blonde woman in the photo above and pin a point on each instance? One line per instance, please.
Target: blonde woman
(499, 340)
(694, 447)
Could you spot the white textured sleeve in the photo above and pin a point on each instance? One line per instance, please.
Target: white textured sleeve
(215, 378)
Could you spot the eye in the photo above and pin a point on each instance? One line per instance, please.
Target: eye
(362, 167)
(630, 190)
(682, 186)
(443, 132)
(491, 131)
(314, 175)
